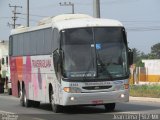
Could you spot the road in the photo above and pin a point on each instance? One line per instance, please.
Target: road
(9, 105)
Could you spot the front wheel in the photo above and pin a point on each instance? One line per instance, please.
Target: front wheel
(56, 108)
(27, 103)
(110, 107)
(9, 91)
(21, 96)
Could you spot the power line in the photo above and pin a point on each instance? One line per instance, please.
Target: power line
(33, 15)
(137, 29)
(4, 17)
(29, 19)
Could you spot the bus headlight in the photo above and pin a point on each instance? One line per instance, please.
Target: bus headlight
(119, 87)
(122, 95)
(72, 89)
(72, 98)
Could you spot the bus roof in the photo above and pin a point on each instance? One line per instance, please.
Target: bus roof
(67, 21)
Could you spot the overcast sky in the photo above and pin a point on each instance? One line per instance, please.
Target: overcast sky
(141, 18)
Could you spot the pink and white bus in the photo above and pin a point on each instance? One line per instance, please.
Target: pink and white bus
(71, 59)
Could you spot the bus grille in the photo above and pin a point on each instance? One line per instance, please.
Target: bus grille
(96, 87)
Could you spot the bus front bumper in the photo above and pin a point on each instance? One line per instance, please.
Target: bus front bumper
(98, 98)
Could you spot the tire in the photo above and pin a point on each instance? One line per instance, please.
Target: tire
(110, 107)
(55, 108)
(36, 104)
(9, 91)
(21, 97)
(27, 103)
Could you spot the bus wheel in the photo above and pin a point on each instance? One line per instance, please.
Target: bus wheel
(110, 107)
(21, 96)
(56, 108)
(27, 103)
(9, 91)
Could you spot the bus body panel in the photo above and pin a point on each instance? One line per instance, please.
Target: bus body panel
(36, 73)
(95, 98)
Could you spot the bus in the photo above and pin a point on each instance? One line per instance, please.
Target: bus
(68, 60)
(5, 83)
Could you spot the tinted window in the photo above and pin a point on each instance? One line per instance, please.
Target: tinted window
(15, 40)
(40, 41)
(48, 41)
(32, 43)
(20, 44)
(26, 44)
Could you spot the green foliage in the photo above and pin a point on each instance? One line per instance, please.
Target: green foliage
(138, 55)
(155, 50)
(139, 63)
(145, 91)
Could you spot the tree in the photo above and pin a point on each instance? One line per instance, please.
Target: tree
(155, 51)
(136, 55)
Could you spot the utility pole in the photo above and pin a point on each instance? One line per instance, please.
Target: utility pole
(15, 15)
(27, 13)
(68, 4)
(96, 8)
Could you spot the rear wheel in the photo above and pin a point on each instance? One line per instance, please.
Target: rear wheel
(110, 107)
(27, 103)
(56, 108)
(9, 91)
(21, 96)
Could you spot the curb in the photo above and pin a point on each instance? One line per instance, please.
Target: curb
(145, 99)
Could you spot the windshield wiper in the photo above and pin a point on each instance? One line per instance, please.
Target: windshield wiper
(92, 63)
(103, 66)
(88, 71)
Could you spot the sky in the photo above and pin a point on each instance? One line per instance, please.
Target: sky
(141, 18)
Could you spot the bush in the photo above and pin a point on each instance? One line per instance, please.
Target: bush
(145, 91)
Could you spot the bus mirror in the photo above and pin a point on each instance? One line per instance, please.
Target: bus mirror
(130, 57)
(2, 61)
(61, 54)
(56, 56)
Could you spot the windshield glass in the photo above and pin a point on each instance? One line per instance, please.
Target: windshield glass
(98, 52)
(110, 52)
(79, 60)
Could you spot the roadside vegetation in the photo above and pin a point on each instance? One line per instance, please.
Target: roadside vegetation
(138, 55)
(145, 91)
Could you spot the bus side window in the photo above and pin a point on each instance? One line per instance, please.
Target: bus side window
(3, 61)
(6, 60)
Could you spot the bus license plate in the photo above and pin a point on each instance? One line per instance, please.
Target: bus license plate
(97, 102)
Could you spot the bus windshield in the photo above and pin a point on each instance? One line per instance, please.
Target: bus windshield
(98, 52)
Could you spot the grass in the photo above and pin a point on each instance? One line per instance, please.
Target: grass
(145, 91)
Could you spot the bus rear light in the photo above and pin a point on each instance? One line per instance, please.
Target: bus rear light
(126, 86)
